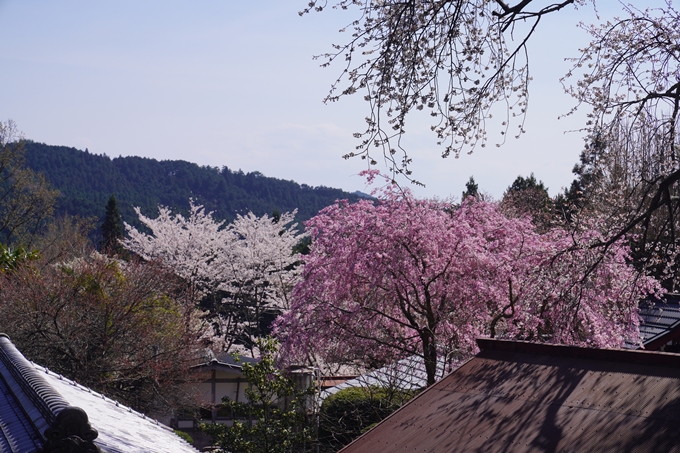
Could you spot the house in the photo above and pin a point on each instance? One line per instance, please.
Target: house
(220, 376)
(523, 397)
(660, 323)
(217, 376)
(41, 411)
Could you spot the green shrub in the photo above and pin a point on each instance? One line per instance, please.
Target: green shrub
(347, 414)
(266, 426)
(185, 436)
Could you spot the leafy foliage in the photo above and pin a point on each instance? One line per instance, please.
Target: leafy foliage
(26, 198)
(11, 259)
(347, 414)
(185, 436)
(123, 329)
(64, 239)
(274, 418)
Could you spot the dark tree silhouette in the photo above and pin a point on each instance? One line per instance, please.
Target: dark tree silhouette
(112, 229)
(471, 189)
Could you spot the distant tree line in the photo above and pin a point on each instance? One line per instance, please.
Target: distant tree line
(86, 181)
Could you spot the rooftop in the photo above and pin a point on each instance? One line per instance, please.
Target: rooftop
(660, 322)
(525, 397)
(41, 411)
(406, 375)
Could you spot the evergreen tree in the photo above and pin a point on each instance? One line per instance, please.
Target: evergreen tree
(471, 189)
(529, 196)
(589, 176)
(112, 229)
(530, 183)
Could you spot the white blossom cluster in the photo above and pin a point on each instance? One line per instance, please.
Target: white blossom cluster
(248, 260)
(453, 60)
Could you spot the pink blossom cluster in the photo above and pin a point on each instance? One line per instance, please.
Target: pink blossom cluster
(400, 276)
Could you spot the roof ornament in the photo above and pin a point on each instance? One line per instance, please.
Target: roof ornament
(68, 428)
(71, 433)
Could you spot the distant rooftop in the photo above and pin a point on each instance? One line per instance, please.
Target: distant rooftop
(660, 326)
(407, 375)
(223, 361)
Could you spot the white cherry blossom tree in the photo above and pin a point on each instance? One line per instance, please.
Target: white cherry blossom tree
(454, 60)
(241, 272)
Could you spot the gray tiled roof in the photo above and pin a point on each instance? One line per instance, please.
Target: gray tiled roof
(16, 430)
(223, 361)
(121, 429)
(41, 411)
(659, 318)
(407, 375)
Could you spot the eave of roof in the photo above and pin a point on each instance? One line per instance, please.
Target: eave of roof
(223, 362)
(121, 429)
(217, 365)
(35, 417)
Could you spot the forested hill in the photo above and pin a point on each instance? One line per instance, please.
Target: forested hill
(86, 181)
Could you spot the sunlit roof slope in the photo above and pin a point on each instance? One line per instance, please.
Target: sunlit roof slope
(41, 411)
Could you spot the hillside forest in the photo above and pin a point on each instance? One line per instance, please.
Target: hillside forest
(85, 182)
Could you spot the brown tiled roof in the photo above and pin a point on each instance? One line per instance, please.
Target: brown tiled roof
(332, 381)
(524, 397)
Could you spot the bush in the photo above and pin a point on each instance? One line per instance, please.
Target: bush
(347, 414)
(124, 329)
(185, 436)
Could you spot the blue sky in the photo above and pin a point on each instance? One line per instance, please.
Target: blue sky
(233, 82)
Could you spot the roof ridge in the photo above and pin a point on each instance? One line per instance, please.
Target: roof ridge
(47, 400)
(654, 358)
(100, 395)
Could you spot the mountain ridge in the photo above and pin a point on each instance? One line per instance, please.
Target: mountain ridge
(86, 181)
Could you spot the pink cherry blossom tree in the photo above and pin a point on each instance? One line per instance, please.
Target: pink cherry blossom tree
(403, 276)
(247, 268)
